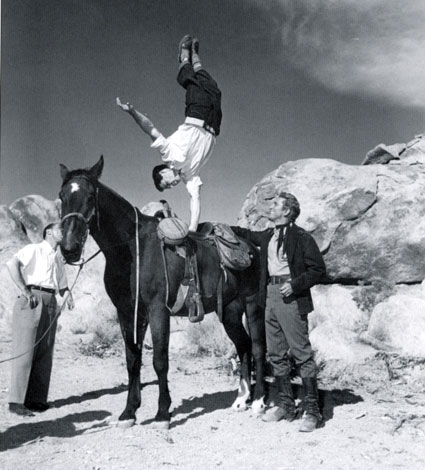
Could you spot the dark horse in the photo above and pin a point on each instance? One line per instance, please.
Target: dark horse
(88, 205)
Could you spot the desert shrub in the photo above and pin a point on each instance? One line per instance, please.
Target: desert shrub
(209, 338)
(368, 296)
(79, 327)
(105, 335)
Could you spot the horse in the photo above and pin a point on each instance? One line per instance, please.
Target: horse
(122, 232)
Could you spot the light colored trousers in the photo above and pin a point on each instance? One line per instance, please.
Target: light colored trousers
(30, 374)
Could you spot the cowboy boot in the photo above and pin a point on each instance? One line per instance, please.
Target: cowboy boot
(196, 61)
(285, 408)
(185, 47)
(312, 417)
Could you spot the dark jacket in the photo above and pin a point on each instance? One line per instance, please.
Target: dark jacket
(203, 97)
(305, 262)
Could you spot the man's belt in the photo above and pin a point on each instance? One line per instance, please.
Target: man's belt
(42, 289)
(199, 123)
(273, 280)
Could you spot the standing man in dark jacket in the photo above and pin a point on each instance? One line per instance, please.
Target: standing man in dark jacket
(187, 150)
(291, 263)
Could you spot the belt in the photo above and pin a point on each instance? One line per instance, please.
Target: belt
(42, 289)
(273, 280)
(199, 123)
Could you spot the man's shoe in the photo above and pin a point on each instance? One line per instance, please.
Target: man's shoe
(195, 45)
(310, 422)
(278, 413)
(20, 410)
(39, 407)
(185, 46)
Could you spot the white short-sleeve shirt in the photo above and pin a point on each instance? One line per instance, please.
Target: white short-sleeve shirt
(42, 266)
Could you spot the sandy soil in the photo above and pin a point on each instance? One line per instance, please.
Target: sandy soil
(366, 427)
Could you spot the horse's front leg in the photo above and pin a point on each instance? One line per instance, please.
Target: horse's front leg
(256, 325)
(134, 361)
(159, 319)
(232, 322)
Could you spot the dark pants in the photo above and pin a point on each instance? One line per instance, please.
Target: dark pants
(30, 376)
(203, 97)
(287, 330)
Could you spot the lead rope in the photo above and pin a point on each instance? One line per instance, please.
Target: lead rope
(136, 304)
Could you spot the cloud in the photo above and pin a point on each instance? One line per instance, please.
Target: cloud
(364, 47)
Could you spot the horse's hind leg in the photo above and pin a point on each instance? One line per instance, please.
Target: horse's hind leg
(256, 324)
(232, 322)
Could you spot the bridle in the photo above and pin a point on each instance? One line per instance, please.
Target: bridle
(87, 220)
(79, 215)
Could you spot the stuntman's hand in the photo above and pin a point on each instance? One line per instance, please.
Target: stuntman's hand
(125, 107)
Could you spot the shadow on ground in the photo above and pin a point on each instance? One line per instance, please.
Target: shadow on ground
(27, 432)
(198, 406)
(94, 394)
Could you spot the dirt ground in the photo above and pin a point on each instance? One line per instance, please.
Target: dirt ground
(366, 427)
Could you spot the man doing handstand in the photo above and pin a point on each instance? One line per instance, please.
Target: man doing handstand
(187, 150)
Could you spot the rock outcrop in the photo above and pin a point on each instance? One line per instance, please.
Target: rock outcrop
(369, 221)
(35, 212)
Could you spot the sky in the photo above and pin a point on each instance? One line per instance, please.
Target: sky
(299, 79)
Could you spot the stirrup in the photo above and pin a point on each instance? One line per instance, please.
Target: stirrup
(196, 309)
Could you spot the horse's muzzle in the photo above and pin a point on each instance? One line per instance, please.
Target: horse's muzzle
(71, 256)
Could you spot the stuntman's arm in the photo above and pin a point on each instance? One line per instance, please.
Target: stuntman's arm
(195, 209)
(143, 121)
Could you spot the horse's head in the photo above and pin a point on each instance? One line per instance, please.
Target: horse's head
(79, 205)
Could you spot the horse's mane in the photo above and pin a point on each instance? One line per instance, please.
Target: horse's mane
(85, 173)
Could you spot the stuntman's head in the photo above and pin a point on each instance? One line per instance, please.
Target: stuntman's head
(165, 177)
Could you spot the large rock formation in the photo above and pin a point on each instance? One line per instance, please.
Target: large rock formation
(35, 212)
(369, 221)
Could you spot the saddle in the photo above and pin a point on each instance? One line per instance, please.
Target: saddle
(233, 252)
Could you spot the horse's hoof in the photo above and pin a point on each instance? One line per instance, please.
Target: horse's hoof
(258, 407)
(161, 425)
(126, 423)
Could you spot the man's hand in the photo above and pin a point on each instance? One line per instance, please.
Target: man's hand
(33, 301)
(286, 289)
(70, 301)
(125, 107)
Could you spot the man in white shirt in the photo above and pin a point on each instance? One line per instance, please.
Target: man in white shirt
(39, 273)
(187, 150)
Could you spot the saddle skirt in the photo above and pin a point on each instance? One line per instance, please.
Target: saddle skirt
(234, 252)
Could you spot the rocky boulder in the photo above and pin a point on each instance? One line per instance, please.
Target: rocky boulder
(35, 212)
(369, 221)
(12, 238)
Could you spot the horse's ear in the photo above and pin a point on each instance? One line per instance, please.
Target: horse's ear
(96, 170)
(64, 171)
